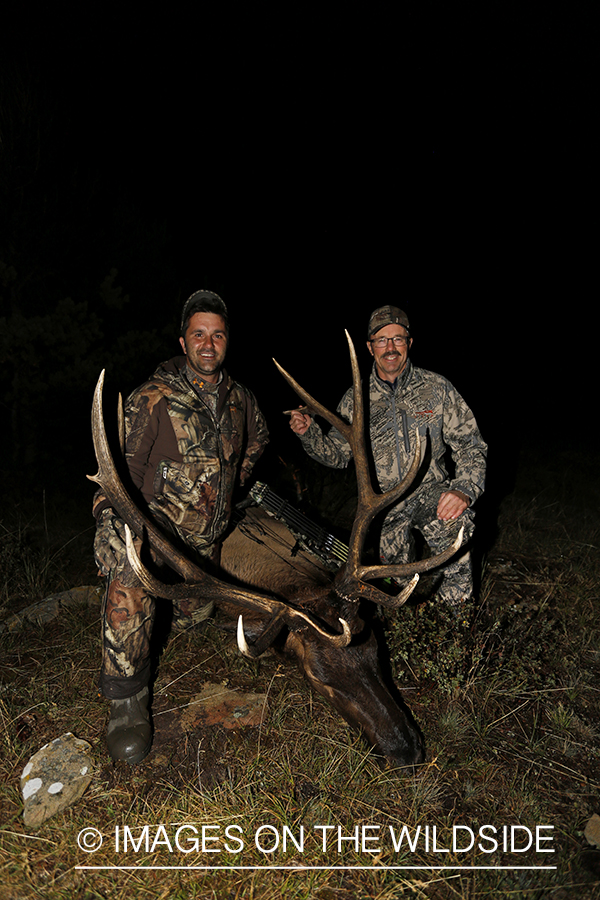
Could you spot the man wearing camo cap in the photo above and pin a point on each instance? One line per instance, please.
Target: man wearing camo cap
(403, 398)
(192, 433)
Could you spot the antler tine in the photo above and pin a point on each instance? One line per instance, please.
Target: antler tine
(158, 588)
(343, 427)
(389, 570)
(355, 584)
(265, 639)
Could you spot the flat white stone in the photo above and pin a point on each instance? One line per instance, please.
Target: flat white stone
(63, 768)
(31, 787)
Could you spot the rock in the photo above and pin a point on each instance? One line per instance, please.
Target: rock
(45, 610)
(55, 778)
(216, 704)
(592, 831)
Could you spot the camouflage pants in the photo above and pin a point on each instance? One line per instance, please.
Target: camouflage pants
(128, 619)
(397, 542)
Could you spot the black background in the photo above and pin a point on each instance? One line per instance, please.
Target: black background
(310, 168)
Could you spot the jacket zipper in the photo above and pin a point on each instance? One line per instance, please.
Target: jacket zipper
(404, 420)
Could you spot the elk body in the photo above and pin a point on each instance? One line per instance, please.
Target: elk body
(304, 619)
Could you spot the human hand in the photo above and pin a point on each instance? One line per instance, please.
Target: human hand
(451, 505)
(299, 422)
(110, 548)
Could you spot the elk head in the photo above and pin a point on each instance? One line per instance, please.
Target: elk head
(343, 667)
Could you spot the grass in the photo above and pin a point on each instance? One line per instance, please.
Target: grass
(509, 704)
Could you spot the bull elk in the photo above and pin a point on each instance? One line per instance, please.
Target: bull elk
(326, 627)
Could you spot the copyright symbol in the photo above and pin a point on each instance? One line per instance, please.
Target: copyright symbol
(89, 840)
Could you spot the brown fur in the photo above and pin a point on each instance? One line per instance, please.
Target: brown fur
(260, 552)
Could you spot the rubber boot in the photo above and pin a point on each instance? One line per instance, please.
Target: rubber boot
(129, 733)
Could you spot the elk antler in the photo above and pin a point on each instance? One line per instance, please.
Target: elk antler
(350, 580)
(281, 613)
(197, 582)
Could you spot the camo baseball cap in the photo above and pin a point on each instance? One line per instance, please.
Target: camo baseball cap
(203, 301)
(387, 315)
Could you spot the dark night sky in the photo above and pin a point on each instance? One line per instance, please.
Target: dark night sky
(311, 170)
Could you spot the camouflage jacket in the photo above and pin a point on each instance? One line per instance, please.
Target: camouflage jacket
(418, 400)
(185, 447)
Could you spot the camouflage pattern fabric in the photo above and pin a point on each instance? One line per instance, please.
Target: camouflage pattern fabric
(186, 446)
(128, 621)
(397, 544)
(424, 402)
(187, 443)
(129, 613)
(419, 401)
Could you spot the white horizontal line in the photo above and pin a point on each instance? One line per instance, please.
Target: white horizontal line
(330, 868)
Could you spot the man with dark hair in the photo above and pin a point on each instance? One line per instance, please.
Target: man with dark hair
(205, 302)
(403, 398)
(192, 433)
